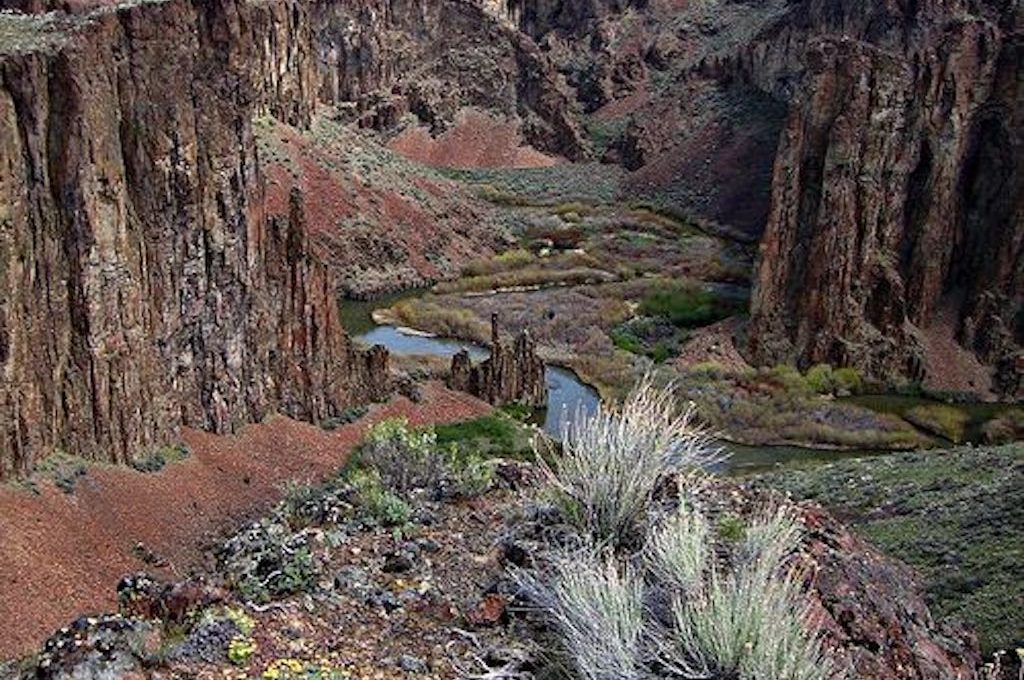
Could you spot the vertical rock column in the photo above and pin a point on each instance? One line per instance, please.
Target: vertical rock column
(512, 375)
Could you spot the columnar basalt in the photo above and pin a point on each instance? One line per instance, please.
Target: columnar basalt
(143, 288)
(513, 374)
(898, 193)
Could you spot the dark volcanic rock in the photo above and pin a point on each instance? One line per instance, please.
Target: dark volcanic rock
(512, 375)
(898, 191)
(142, 287)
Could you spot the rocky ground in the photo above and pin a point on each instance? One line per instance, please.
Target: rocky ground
(398, 566)
(74, 528)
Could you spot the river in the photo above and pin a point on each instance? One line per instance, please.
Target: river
(567, 393)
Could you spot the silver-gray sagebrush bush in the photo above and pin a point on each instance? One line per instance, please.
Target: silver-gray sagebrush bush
(612, 461)
(680, 602)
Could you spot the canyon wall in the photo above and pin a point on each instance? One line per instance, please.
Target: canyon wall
(142, 287)
(374, 62)
(888, 195)
(897, 216)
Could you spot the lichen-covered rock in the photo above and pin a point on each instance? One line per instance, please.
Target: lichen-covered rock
(145, 597)
(98, 648)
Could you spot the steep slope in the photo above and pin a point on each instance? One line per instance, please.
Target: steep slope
(379, 222)
(143, 287)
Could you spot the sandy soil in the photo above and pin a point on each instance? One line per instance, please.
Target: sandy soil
(62, 554)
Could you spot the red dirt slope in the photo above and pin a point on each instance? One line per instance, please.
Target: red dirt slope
(62, 555)
(477, 140)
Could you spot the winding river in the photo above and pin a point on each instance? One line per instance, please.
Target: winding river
(567, 392)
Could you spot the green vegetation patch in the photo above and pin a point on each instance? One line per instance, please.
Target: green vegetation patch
(589, 182)
(687, 305)
(157, 459)
(497, 434)
(944, 420)
(63, 469)
(954, 515)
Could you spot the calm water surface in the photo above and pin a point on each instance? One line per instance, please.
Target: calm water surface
(567, 393)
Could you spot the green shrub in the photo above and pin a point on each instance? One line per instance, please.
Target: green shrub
(158, 459)
(661, 353)
(406, 459)
(63, 470)
(819, 378)
(731, 528)
(625, 340)
(786, 377)
(848, 380)
(382, 505)
(946, 421)
(686, 305)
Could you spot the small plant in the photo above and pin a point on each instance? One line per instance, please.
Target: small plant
(267, 560)
(731, 528)
(385, 507)
(157, 459)
(751, 622)
(678, 551)
(240, 650)
(63, 469)
(819, 378)
(597, 608)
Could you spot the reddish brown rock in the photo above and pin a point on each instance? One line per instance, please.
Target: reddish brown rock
(897, 192)
(489, 611)
(142, 286)
(513, 374)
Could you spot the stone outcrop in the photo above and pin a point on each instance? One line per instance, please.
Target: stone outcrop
(142, 287)
(899, 192)
(378, 61)
(513, 374)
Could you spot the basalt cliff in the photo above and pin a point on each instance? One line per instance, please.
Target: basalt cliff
(873, 148)
(144, 287)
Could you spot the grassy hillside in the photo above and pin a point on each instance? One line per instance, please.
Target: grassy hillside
(955, 515)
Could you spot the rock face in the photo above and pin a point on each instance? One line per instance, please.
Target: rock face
(899, 192)
(376, 61)
(873, 613)
(143, 287)
(513, 374)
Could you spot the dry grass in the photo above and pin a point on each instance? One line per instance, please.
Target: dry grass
(526, 278)
(612, 461)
